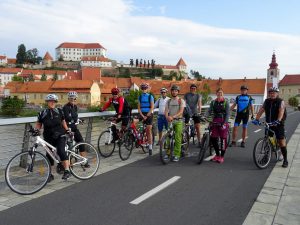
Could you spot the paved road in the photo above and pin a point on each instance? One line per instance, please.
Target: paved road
(207, 194)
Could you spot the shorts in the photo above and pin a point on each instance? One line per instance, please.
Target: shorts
(196, 119)
(279, 131)
(162, 122)
(241, 117)
(218, 131)
(149, 119)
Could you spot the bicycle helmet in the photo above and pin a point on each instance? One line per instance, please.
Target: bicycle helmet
(163, 90)
(144, 86)
(175, 87)
(193, 86)
(115, 91)
(51, 97)
(72, 94)
(273, 89)
(244, 87)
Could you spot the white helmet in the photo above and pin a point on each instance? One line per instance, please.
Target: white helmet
(163, 90)
(72, 94)
(51, 97)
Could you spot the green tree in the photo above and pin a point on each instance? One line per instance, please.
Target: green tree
(32, 56)
(126, 74)
(197, 75)
(156, 72)
(55, 76)
(43, 77)
(293, 101)
(21, 55)
(16, 78)
(132, 98)
(31, 77)
(12, 106)
(205, 94)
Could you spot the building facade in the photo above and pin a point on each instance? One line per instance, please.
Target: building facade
(75, 51)
(3, 60)
(6, 75)
(289, 87)
(95, 61)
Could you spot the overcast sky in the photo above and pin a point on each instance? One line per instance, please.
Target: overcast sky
(229, 40)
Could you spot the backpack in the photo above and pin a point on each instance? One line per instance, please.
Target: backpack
(187, 112)
(149, 98)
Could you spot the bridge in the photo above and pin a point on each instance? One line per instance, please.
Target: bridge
(235, 192)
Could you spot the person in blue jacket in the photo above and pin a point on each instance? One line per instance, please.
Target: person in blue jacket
(244, 104)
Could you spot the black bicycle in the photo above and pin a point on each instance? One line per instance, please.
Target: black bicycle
(263, 148)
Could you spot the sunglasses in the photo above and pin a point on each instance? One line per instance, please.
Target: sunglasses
(72, 99)
(163, 92)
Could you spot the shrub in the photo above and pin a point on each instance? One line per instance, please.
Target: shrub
(12, 106)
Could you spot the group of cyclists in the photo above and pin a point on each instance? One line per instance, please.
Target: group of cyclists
(56, 122)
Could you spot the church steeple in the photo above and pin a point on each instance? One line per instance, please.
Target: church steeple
(273, 72)
(273, 64)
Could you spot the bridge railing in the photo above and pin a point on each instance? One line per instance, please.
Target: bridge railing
(15, 138)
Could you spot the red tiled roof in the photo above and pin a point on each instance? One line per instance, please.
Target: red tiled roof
(11, 61)
(41, 72)
(36, 87)
(48, 56)
(181, 62)
(74, 75)
(72, 84)
(13, 86)
(170, 67)
(80, 45)
(95, 58)
(10, 70)
(2, 57)
(290, 79)
(91, 73)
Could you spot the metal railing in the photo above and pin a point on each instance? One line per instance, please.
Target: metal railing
(14, 136)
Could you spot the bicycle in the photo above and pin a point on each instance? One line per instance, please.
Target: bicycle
(168, 141)
(206, 141)
(28, 172)
(134, 136)
(263, 148)
(106, 143)
(190, 128)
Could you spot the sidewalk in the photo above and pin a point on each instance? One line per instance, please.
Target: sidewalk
(279, 199)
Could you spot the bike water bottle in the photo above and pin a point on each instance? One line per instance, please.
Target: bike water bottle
(272, 140)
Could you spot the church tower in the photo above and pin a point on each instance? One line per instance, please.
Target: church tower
(273, 73)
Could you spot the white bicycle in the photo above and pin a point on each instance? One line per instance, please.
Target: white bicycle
(28, 172)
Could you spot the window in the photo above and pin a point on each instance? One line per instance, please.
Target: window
(41, 96)
(34, 96)
(61, 97)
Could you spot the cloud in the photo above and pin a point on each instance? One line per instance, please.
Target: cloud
(213, 51)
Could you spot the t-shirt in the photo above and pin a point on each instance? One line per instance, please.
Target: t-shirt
(161, 104)
(144, 102)
(173, 106)
(192, 100)
(243, 102)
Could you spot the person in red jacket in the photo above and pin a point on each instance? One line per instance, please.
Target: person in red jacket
(122, 109)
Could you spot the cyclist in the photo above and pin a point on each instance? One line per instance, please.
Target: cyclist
(122, 109)
(145, 109)
(173, 112)
(244, 103)
(193, 100)
(275, 112)
(70, 111)
(53, 121)
(220, 110)
(161, 119)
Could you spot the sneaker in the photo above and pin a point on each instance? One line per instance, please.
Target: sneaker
(175, 159)
(215, 158)
(221, 159)
(243, 144)
(280, 157)
(66, 175)
(285, 164)
(150, 152)
(166, 157)
(60, 168)
(50, 178)
(232, 144)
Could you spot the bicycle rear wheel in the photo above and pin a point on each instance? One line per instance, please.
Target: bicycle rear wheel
(145, 146)
(106, 146)
(185, 143)
(125, 149)
(27, 172)
(262, 153)
(203, 148)
(166, 148)
(85, 164)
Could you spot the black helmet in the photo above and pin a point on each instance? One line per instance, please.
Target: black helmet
(193, 86)
(273, 89)
(175, 87)
(244, 87)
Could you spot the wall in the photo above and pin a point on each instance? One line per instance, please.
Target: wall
(289, 91)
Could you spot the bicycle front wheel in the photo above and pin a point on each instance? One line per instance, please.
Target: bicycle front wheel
(165, 149)
(126, 147)
(185, 143)
(145, 145)
(27, 172)
(203, 148)
(84, 160)
(106, 145)
(262, 153)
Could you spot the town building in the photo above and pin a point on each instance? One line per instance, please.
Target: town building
(95, 61)
(3, 60)
(35, 92)
(6, 74)
(289, 87)
(47, 60)
(273, 73)
(70, 51)
(180, 67)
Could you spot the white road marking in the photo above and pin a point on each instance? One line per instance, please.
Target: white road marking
(209, 157)
(240, 140)
(257, 130)
(155, 190)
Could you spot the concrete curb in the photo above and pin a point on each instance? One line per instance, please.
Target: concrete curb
(278, 201)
